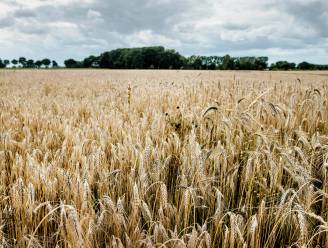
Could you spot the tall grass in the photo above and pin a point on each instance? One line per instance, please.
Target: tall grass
(163, 159)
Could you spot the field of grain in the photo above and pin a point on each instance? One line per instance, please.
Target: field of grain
(101, 158)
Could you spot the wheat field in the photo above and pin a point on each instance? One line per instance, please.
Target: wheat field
(110, 158)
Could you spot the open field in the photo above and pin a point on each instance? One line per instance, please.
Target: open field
(101, 158)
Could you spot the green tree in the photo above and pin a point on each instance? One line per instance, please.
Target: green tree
(91, 61)
(262, 62)
(6, 62)
(38, 63)
(228, 63)
(22, 61)
(71, 63)
(171, 59)
(2, 65)
(46, 62)
(194, 62)
(306, 66)
(283, 65)
(139, 58)
(54, 64)
(14, 62)
(30, 63)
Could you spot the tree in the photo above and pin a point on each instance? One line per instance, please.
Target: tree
(106, 60)
(228, 63)
(38, 63)
(152, 56)
(156, 57)
(6, 62)
(261, 63)
(171, 59)
(135, 59)
(54, 64)
(194, 62)
(2, 65)
(210, 63)
(305, 66)
(283, 65)
(91, 61)
(322, 67)
(14, 62)
(30, 63)
(71, 63)
(22, 61)
(46, 62)
(250, 63)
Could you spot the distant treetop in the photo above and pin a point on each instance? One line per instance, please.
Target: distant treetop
(158, 57)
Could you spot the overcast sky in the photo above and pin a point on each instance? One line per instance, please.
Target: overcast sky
(294, 30)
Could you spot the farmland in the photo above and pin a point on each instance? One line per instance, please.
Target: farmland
(163, 158)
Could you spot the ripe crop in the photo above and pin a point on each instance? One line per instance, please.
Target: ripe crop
(163, 159)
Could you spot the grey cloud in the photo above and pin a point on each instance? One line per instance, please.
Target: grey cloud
(23, 13)
(81, 28)
(235, 26)
(312, 14)
(131, 16)
(259, 43)
(6, 22)
(32, 27)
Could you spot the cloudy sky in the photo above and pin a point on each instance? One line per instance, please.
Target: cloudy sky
(294, 30)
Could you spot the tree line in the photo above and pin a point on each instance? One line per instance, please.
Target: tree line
(22, 62)
(157, 57)
(160, 58)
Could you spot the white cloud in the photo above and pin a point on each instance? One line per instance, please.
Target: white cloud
(67, 28)
(94, 17)
(148, 38)
(38, 3)
(93, 14)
